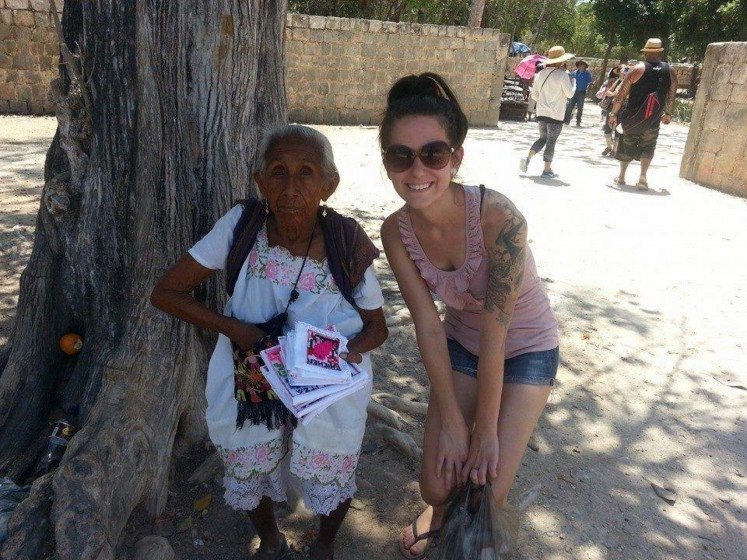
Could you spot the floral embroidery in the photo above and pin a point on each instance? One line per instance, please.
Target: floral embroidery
(281, 268)
(326, 468)
(262, 458)
(254, 471)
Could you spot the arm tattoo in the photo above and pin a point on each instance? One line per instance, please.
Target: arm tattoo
(506, 262)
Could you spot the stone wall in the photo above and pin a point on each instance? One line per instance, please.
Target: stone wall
(29, 54)
(684, 71)
(716, 148)
(338, 70)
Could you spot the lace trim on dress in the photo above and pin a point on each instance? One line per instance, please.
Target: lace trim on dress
(450, 285)
(326, 479)
(246, 494)
(324, 499)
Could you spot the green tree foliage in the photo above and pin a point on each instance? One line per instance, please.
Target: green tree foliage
(686, 26)
(695, 23)
(585, 27)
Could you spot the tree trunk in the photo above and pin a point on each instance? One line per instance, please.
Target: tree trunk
(180, 92)
(538, 27)
(603, 73)
(475, 13)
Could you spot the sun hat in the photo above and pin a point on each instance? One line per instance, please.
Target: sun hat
(557, 54)
(653, 45)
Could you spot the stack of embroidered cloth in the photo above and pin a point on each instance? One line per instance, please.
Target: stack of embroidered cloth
(307, 373)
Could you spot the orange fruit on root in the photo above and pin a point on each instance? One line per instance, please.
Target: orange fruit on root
(71, 343)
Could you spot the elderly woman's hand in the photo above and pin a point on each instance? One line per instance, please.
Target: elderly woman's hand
(351, 357)
(245, 335)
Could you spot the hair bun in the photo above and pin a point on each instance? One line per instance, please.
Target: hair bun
(423, 85)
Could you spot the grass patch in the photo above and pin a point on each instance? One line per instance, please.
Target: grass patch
(683, 110)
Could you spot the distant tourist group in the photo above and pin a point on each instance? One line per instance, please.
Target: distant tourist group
(634, 98)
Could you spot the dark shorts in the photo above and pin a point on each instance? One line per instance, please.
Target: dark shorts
(637, 146)
(532, 368)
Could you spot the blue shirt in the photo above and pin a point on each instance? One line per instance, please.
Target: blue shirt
(583, 79)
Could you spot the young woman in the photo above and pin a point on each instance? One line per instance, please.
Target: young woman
(493, 359)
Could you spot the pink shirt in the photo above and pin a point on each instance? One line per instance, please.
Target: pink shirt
(533, 327)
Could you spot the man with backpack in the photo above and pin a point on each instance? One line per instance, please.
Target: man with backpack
(649, 89)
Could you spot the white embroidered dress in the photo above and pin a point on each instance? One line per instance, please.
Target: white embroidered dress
(322, 456)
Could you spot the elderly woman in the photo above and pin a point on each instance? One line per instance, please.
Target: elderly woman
(287, 260)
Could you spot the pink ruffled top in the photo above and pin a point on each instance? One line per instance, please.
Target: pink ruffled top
(533, 326)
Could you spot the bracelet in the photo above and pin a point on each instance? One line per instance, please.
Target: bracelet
(613, 114)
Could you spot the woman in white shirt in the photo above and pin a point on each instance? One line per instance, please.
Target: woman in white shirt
(553, 87)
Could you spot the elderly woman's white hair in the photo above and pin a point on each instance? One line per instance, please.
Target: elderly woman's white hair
(286, 131)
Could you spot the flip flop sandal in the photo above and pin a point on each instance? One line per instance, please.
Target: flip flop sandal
(641, 186)
(283, 552)
(433, 537)
(618, 182)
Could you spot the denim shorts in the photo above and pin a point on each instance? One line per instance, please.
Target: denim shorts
(532, 368)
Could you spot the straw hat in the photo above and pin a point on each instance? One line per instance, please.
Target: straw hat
(557, 54)
(653, 46)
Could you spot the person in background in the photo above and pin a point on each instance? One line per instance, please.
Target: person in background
(652, 78)
(582, 78)
(605, 95)
(531, 103)
(552, 88)
(617, 69)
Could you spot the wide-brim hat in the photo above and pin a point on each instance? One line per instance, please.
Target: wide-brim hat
(557, 54)
(653, 45)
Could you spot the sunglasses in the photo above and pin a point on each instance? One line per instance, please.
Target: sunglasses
(434, 155)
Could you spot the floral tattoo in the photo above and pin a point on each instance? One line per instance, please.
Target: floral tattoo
(506, 261)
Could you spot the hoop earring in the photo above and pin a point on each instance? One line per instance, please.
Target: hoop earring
(453, 171)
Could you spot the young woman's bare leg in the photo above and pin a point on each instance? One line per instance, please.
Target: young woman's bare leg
(435, 491)
(521, 407)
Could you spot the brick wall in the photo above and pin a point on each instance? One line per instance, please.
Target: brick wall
(29, 54)
(684, 71)
(338, 70)
(716, 148)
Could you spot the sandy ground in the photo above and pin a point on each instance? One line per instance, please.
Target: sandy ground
(650, 291)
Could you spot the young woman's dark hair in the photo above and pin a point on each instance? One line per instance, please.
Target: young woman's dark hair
(424, 95)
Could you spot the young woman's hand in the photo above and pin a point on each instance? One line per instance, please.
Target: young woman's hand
(482, 460)
(453, 446)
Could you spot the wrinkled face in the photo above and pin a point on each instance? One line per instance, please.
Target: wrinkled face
(420, 185)
(294, 182)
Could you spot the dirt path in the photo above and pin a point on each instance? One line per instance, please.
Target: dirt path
(650, 290)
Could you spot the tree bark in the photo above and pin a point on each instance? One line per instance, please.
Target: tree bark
(603, 73)
(475, 13)
(538, 27)
(180, 93)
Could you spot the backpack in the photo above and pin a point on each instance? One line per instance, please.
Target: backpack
(649, 113)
